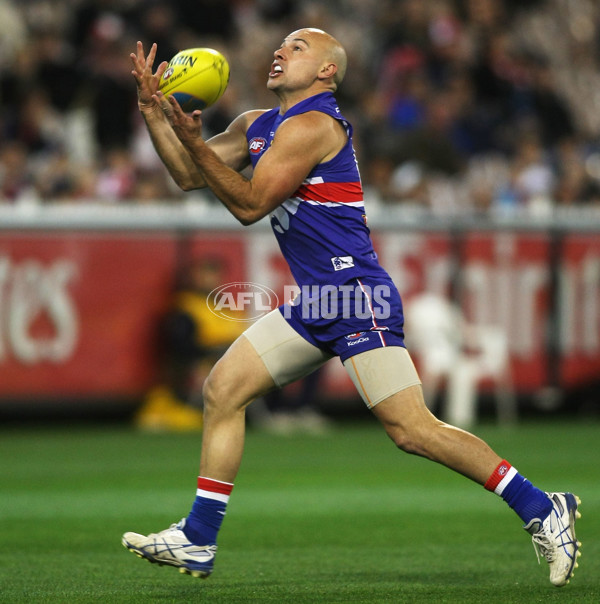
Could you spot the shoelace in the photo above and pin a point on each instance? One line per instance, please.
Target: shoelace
(542, 545)
(175, 525)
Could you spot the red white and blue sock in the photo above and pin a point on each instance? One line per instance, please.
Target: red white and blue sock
(525, 499)
(204, 521)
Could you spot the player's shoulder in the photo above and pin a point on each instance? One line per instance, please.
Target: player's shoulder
(314, 127)
(245, 120)
(314, 117)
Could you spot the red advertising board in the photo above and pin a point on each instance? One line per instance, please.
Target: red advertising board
(504, 281)
(578, 309)
(79, 310)
(417, 261)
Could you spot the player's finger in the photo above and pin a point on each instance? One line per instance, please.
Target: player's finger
(151, 56)
(137, 62)
(175, 107)
(162, 102)
(140, 56)
(161, 69)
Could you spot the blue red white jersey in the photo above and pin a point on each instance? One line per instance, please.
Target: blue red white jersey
(321, 229)
(323, 235)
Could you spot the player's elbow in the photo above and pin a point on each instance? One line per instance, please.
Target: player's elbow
(247, 218)
(185, 183)
(249, 215)
(186, 186)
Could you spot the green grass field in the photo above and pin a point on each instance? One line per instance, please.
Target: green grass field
(345, 518)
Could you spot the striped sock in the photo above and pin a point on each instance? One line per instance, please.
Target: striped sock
(204, 521)
(525, 499)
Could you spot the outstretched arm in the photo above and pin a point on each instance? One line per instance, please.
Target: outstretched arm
(230, 146)
(172, 153)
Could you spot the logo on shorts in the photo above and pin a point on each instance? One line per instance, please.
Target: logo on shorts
(342, 262)
(358, 341)
(241, 301)
(358, 337)
(354, 336)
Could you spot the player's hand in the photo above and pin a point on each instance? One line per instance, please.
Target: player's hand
(187, 126)
(147, 82)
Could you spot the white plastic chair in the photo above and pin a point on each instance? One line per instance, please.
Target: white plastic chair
(451, 352)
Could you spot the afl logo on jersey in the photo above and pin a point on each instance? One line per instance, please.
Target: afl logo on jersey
(257, 145)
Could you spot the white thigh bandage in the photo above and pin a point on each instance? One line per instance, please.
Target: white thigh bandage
(381, 372)
(285, 353)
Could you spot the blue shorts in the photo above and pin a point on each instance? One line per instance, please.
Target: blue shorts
(348, 319)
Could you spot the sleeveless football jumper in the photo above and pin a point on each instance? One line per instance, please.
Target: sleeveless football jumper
(347, 302)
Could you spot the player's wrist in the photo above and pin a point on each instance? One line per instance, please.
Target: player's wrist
(147, 108)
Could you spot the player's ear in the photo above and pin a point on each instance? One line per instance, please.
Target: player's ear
(328, 71)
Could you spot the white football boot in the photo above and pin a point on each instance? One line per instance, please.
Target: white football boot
(554, 537)
(172, 547)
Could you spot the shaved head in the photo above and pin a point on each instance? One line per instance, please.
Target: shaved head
(333, 51)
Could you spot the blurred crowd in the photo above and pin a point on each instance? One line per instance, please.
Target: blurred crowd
(480, 105)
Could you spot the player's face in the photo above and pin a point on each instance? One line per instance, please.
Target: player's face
(297, 61)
